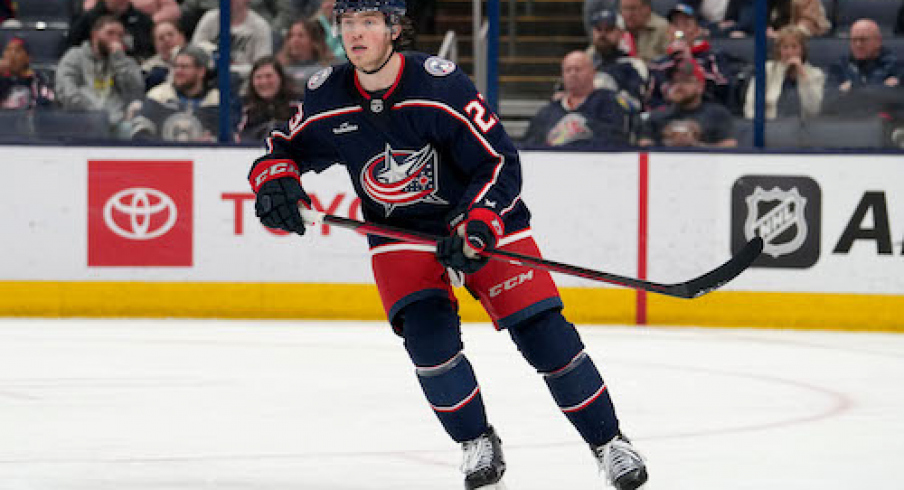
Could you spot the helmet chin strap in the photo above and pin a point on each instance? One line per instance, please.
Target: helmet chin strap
(371, 72)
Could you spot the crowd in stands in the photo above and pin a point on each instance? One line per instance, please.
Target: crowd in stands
(148, 67)
(671, 75)
(687, 91)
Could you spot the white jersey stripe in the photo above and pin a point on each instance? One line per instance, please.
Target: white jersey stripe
(316, 117)
(483, 142)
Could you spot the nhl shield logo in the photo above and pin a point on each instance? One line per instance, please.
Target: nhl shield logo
(402, 178)
(778, 217)
(785, 211)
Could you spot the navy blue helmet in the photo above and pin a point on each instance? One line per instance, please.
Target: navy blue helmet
(392, 8)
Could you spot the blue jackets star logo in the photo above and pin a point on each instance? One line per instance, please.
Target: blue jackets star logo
(402, 178)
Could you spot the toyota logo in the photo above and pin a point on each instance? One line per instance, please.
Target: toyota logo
(141, 205)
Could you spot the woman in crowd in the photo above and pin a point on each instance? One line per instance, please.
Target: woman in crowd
(271, 100)
(808, 15)
(304, 51)
(794, 87)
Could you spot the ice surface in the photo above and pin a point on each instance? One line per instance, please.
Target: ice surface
(189, 405)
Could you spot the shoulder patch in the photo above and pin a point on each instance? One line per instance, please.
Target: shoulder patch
(318, 78)
(438, 67)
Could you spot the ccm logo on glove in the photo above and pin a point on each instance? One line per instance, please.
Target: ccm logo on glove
(273, 169)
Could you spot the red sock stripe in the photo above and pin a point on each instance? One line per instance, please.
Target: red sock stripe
(457, 406)
(588, 401)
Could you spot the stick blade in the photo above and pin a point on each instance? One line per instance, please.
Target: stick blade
(721, 275)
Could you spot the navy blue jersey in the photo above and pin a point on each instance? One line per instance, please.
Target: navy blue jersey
(418, 154)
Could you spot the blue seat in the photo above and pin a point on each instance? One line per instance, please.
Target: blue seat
(46, 45)
(884, 12)
(824, 51)
(72, 125)
(844, 133)
(825, 132)
(58, 11)
(742, 48)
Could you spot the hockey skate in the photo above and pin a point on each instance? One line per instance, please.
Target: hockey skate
(621, 463)
(482, 462)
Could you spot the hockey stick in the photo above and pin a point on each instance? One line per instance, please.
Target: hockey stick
(689, 289)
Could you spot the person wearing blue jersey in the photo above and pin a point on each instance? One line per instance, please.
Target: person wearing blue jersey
(424, 152)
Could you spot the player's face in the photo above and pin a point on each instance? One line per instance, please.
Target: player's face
(367, 38)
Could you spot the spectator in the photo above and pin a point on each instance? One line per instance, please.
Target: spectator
(688, 120)
(687, 40)
(304, 51)
(278, 13)
(325, 17)
(809, 15)
(168, 40)
(251, 35)
(648, 30)
(137, 24)
(20, 86)
(865, 82)
(585, 116)
(270, 102)
(158, 10)
(615, 69)
(868, 63)
(185, 109)
(99, 75)
(794, 87)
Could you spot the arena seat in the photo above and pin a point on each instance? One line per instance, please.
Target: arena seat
(742, 48)
(72, 125)
(823, 132)
(884, 12)
(56, 11)
(46, 45)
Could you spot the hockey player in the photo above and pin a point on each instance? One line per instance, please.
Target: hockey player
(425, 153)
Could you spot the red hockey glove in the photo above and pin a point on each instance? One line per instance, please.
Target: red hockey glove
(278, 188)
(480, 230)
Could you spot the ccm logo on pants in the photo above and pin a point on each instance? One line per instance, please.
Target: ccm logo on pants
(511, 283)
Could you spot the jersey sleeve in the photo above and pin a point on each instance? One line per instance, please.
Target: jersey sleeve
(301, 144)
(480, 146)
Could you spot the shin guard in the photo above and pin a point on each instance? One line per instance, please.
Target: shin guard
(582, 396)
(453, 393)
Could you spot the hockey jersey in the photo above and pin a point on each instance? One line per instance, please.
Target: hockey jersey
(420, 153)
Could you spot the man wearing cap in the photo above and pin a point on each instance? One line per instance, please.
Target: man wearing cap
(20, 86)
(615, 68)
(687, 40)
(98, 75)
(688, 120)
(184, 109)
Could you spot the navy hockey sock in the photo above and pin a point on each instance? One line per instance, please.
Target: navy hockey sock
(552, 345)
(453, 393)
(432, 336)
(580, 392)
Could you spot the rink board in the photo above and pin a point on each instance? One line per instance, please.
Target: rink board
(170, 232)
